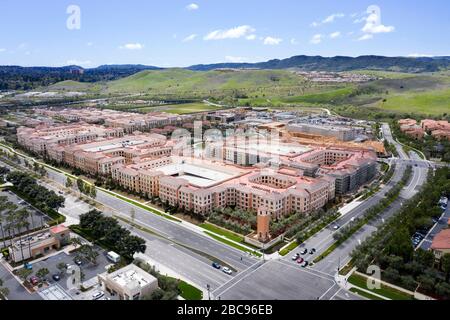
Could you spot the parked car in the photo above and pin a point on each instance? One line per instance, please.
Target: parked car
(336, 227)
(305, 251)
(97, 295)
(56, 277)
(216, 265)
(78, 262)
(305, 264)
(295, 257)
(300, 260)
(34, 280)
(312, 251)
(227, 270)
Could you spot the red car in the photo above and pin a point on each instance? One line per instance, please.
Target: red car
(300, 260)
(34, 280)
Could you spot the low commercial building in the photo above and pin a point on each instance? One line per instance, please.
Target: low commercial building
(343, 133)
(39, 243)
(129, 283)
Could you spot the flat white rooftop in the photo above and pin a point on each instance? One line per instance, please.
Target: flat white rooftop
(282, 149)
(132, 277)
(199, 175)
(114, 146)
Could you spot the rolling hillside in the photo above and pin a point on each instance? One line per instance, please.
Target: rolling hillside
(181, 80)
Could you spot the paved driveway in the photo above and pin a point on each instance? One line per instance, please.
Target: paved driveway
(16, 290)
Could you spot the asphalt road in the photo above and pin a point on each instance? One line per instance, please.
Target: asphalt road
(439, 226)
(277, 279)
(172, 249)
(16, 290)
(285, 279)
(171, 230)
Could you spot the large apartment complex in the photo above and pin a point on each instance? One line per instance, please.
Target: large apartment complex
(282, 177)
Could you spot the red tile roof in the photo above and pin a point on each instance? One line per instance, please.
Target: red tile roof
(441, 240)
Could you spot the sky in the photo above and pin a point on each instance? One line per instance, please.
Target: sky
(178, 33)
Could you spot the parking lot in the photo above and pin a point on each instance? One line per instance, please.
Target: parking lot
(36, 218)
(88, 269)
(424, 238)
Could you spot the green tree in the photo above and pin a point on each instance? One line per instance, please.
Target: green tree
(445, 264)
(42, 273)
(3, 291)
(80, 185)
(93, 192)
(76, 242)
(61, 266)
(69, 183)
(24, 273)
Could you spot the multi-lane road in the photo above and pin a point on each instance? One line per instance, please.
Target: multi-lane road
(285, 279)
(189, 253)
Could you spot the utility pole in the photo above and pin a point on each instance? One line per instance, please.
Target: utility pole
(133, 216)
(208, 287)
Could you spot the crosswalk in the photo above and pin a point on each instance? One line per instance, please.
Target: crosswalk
(54, 292)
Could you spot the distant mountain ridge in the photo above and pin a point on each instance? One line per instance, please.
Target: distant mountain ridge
(26, 78)
(342, 63)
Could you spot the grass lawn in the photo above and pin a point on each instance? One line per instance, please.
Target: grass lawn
(385, 291)
(364, 294)
(232, 244)
(220, 231)
(185, 108)
(289, 248)
(433, 102)
(190, 292)
(322, 97)
(140, 205)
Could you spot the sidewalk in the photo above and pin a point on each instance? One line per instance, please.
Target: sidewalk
(168, 272)
(343, 282)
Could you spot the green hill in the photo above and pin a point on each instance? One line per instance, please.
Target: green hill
(181, 80)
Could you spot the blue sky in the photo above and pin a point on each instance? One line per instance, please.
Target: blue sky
(181, 33)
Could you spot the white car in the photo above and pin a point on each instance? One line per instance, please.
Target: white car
(97, 295)
(227, 270)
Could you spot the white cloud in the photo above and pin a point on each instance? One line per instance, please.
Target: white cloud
(373, 22)
(271, 41)
(335, 35)
(316, 39)
(90, 44)
(2, 49)
(420, 55)
(333, 17)
(359, 20)
(235, 59)
(251, 37)
(75, 62)
(233, 33)
(367, 36)
(329, 19)
(190, 38)
(132, 46)
(294, 41)
(193, 7)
